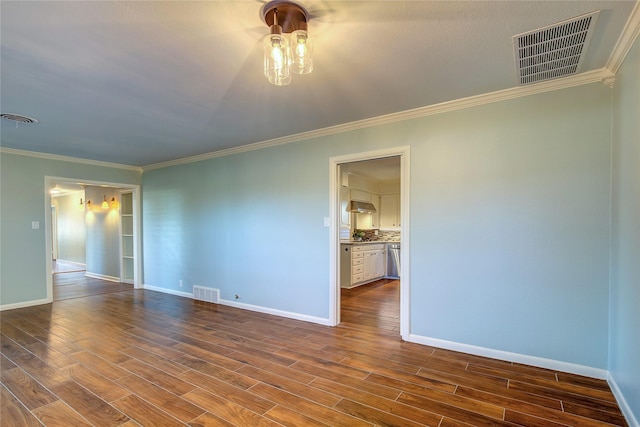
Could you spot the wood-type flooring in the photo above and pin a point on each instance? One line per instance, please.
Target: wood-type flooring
(68, 285)
(62, 266)
(143, 358)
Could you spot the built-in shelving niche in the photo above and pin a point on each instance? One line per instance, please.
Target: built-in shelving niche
(127, 237)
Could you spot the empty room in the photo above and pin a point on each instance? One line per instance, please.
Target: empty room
(335, 213)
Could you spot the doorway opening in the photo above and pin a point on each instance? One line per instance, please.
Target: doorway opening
(369, 224)
(92, 237)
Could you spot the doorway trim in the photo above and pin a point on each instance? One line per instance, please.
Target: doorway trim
(49, 181)
(334, 242)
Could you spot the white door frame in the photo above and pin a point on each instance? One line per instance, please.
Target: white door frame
(49, 181)
(54, 232)
(334, 243)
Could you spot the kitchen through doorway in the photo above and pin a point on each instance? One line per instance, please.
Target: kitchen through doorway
(370, 287)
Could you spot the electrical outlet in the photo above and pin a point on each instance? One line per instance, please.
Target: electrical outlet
(180, 282)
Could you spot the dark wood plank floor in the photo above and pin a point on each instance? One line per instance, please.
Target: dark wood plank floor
(374, 307)
(140, 357)
(68, 285)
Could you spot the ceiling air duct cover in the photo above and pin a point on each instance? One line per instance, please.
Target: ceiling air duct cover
(17, 118)
(554, 51)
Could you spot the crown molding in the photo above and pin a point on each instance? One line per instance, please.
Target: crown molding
(596, 76)
(47, 156)
(629, 34)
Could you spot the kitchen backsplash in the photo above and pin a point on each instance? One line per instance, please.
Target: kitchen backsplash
(391, 236)
(387, 235)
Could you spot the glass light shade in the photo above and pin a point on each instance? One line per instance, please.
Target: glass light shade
(105, 204)
(301, 52)
(277, 59)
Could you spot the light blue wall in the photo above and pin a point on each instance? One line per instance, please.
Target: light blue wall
(509, 224)
(22, 200)
(250, 225)
(624, 344)
(103, 233)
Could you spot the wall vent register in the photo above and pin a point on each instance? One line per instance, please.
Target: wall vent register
(203, 293)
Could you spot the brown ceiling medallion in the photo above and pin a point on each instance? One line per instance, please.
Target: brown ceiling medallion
(291, 16)
(287, 48)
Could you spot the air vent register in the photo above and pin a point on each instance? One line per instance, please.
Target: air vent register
(554, 51)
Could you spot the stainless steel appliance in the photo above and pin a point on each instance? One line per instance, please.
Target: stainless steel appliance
(393, 260)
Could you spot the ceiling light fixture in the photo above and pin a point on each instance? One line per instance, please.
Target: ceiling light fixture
(280, 58)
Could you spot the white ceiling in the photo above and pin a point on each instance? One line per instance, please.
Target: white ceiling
(140, 83)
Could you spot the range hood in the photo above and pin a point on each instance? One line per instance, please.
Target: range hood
(361, 207)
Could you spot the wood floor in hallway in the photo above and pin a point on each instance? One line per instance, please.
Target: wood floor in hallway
(68, 285)
(143, 358)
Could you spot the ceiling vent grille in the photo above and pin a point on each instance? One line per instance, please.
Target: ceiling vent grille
(554, 51)
(18, 118)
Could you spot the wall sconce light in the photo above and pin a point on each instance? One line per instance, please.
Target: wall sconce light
(88, 204)
(105, 204)
(281, 59)
(114, 203)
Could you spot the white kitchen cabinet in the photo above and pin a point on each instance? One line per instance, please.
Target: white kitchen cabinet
(357, 264)
(361, 264)
(373, 264)
(390, 211)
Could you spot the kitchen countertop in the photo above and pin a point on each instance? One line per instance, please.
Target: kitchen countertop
(368, 242)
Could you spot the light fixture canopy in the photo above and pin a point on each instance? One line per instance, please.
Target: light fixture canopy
(281, 56)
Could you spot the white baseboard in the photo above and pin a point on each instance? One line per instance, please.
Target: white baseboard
(102, 277)
(250, 307)
(540, 362)
(275, 312)
(25, 304)
(622, 402)
(168, 291)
